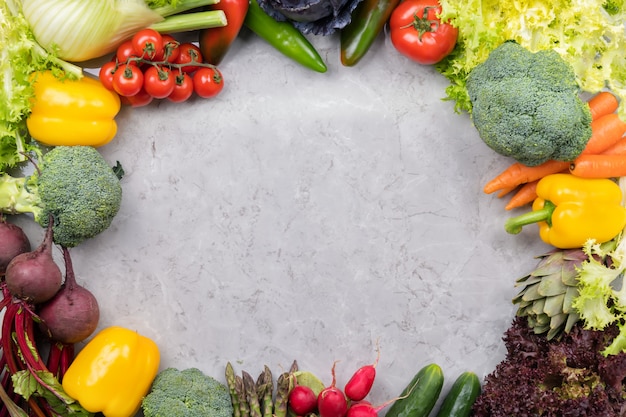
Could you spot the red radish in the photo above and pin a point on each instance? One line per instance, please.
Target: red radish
(13, 241)
(361, 382)
(72, 314)
(34, 276)
(302, 400)
(332, 402)
(365, 409)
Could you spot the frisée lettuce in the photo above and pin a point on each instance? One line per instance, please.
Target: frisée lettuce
(601, 299)
(588, 34)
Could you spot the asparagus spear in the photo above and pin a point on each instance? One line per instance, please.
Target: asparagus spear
(234, 396)
(244, 408)
(265, 383)
(249, 387)
(284, 385)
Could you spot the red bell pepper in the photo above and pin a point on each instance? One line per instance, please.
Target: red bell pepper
(215, 42)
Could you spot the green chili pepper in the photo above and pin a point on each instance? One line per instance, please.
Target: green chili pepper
(367, 22)
(284, 37)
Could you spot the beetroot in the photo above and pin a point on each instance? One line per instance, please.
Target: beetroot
(34, 276)
(13, 241)
(72, 314)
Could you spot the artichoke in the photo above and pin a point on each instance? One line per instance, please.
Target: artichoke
(548, 291)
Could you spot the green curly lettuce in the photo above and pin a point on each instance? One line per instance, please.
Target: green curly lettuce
(588, 34)
(601, 298)
(20, 56)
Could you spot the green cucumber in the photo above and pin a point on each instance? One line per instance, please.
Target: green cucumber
(460, 399)
(421, 395)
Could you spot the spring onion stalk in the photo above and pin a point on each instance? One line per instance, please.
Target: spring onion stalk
(191, 21)
(80, 30)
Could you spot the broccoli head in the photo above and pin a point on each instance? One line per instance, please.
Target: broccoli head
(526, 105)
(187, 393)
(72, 185)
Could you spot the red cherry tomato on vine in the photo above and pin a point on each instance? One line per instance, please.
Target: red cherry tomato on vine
(128, 80)
(170, 50)
(106, 74)
(183, 88)
(148, 43)
(207, 82)
(125, 52)
(189, 54)
(138, 100)
(158, 81)
(417, 33)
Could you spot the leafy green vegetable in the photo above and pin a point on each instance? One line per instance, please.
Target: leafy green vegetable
(45, 385)
(601, 299)
(20, 55)
(591, 39)
(567, 376)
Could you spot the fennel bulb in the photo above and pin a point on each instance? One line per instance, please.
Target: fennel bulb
(79, 30)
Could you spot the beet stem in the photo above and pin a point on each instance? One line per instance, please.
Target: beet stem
(67, 356)
(24, 333)
(10, 405)
(70, 277)
(54, 358)
(26, 343)
(8, 348)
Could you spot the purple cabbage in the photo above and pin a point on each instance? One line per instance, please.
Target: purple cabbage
(316, 17)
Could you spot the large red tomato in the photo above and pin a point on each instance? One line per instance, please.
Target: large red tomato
(417, 32)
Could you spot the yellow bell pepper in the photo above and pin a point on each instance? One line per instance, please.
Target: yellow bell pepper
(113, 372)
(570, 210)
(72, 112)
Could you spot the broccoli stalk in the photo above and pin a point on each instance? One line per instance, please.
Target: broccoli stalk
(74, 185)
(16, 197)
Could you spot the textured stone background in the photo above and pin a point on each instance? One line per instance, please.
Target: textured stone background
(306, 216)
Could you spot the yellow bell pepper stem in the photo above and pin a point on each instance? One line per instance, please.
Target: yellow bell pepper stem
(72, 112)
(514, 225)
(113, 372)
(570, 210)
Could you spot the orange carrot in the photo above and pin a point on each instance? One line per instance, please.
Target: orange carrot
(525, 195)
(618, 148)
(503, 192)
(518, 174)
(599, 166)
(605, 132)
(602, 104)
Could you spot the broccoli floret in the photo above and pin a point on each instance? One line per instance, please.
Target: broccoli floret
(526, 105)
(187, 393)
(74, 186)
